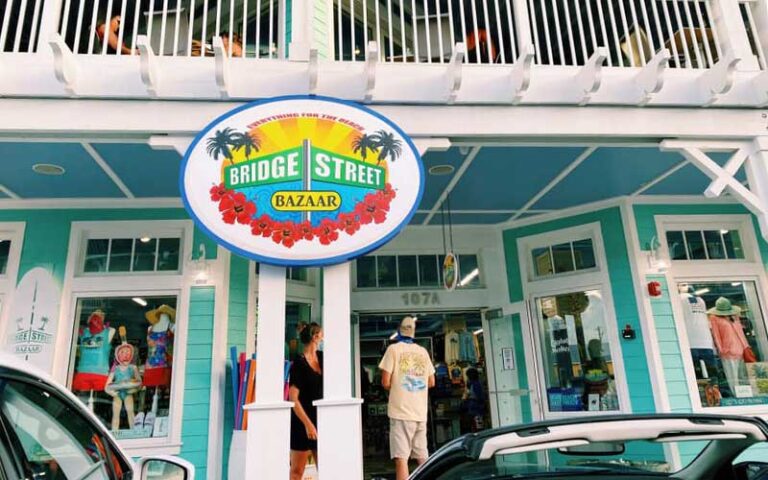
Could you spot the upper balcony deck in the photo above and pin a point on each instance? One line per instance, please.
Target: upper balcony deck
(554, 52)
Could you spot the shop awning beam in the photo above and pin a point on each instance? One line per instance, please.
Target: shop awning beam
(221, 62)
(751, 155)
(650, 80)
(369, 71)
(149, 72)
(718, 80)
(590, 76)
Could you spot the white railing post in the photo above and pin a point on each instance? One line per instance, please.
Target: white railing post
(49, 24)
(267, 450)
(733, 34)
(760, 14)
(522, 24)
(339, 421)
(302, 12)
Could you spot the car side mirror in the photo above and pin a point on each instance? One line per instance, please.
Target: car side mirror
(164, 467)
(751, 470)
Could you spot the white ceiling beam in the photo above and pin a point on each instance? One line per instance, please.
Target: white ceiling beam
(107, 169)
(8, 192)
(489, 212)
(454, 181)
(89, 203)
(659, 179)
(553, 183)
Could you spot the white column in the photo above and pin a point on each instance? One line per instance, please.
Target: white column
(757, 175)
(302, 12)
(340, 441)
(733, 34)
(267, 453)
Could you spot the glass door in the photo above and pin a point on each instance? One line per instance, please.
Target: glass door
(508, 393)
(575, 353)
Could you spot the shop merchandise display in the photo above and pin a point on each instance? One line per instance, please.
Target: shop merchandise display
(725, 346)
(92, 369)
(126, 381)
(123, 382)
(578, 358)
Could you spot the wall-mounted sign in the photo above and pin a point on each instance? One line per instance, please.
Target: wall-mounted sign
(302, 181)
(450, 271)
(507, 358)
(33, 319)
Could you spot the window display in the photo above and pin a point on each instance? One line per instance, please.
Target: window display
(5, 251)
(728, 342)
(576, 353)
(123, 362)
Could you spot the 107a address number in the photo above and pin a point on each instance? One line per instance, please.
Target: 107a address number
(420, 298)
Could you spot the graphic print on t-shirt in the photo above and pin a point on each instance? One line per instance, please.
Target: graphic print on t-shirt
(412, 367)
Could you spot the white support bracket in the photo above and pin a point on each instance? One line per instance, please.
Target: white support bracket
(423, 144)
(760, 85)
(718, 80)
(221, 61)
(148, 64)
(453, 71)
(64, 63)
(590, 76)
(169, 142)
(369, 71)
(723, 177)
(650, 79)
(312, 69)
(520, 74)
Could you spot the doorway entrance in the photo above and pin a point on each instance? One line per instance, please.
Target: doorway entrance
(455, 343)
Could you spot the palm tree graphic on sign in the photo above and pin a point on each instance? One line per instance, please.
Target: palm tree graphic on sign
(225, 141)
(381, 142)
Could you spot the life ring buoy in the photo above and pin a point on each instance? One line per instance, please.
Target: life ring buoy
(478, 42)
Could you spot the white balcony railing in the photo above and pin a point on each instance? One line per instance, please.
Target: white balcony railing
(747, 9)
(248, 28)
(19, 25)
(563, 32)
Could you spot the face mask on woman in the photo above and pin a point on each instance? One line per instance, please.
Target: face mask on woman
(320, 345)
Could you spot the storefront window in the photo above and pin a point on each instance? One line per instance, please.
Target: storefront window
(392, 271)
(132, 255)
(728, 342)
(563, 258)
(297, 274)
(576, 353)
(5, 251)
(704, 245)
(122, 367)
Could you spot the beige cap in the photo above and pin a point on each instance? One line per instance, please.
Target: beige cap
(408, 327)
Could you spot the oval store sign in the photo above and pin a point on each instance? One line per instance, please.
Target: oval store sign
(302, 181)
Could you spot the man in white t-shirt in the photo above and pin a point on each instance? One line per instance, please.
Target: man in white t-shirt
(407, 372)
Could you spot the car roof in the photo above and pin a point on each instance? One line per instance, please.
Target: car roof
(30, 372)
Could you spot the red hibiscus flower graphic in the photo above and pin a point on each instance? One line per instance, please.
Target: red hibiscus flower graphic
(306, 232)
(348, 222)
(262, 226)
(218, 192)
(388, 193)
(373, 208)
(237, 207)
(327, 232)
(285, 233)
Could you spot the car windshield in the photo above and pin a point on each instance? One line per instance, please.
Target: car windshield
(635, 459)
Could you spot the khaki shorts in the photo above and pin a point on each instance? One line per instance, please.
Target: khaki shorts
(407, 439)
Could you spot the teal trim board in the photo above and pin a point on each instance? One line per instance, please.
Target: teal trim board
(645, 219)
(522, 376)
(622, 289)
(197, 383)
(236, 337)
(669, 347)
(46, 236)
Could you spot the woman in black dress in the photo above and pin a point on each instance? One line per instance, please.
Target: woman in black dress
(306, 386)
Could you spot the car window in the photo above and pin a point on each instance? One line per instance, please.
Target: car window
(752, 464)
(52, 439)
